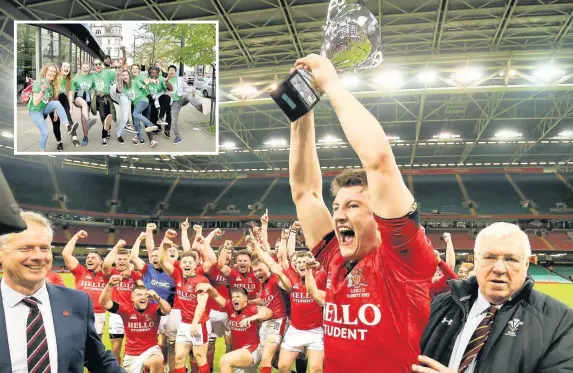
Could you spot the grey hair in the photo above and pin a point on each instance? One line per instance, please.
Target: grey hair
(32, 217)
(502, 230)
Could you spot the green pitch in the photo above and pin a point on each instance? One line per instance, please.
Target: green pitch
(562, 292)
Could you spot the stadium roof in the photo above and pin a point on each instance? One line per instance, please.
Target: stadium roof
(464, 83)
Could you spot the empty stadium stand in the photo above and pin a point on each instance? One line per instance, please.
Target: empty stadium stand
(545, 190)
(30, 184)
(77, 184)
(190, 196)
(140, 195)
(493, 194)
(243, 193)
(439, 192)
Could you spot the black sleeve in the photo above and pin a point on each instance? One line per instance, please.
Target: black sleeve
(114, 308)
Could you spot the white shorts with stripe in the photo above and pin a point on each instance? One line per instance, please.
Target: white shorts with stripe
(184, 334)
(135, 364)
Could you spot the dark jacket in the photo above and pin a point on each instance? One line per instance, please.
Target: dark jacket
(79, 345)
(531, 333)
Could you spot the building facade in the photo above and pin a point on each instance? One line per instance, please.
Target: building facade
(109, 36)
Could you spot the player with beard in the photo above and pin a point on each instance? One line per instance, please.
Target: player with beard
(271, 331)
(193, 331)
(141, 318)
(121, 292)
(244, 321)
(157, 280)
(88, 278)
(241, 275)
(378, 259)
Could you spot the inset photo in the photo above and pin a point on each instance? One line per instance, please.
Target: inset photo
(116, 87)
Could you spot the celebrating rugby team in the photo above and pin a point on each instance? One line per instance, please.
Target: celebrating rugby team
(357, 302)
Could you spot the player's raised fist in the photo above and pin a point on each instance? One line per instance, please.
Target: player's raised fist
(114, 280)
(151, 226)
(265, 217)
(296, 225)
(82, 234)
(197, 228)
(218, 232)
(142, 236)
(228, 244)
(120, 244)
(185, 224)
(447, 237)
(171, 234)
(284, 234)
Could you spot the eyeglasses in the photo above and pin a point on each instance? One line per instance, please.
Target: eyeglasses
(509, 261)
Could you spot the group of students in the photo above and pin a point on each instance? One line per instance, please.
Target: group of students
(154, 100)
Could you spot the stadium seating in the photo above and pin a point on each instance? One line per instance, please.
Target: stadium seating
(86, 190)
(439, 192)
(541, 274)
(460, 239)
(545, 190)
(279, 200)
(243, 193)
(493, 194)
(140, 195)
(30, 184)
(191, 195)
(563, 270)
(560, 240)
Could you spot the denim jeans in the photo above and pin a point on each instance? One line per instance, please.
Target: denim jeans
(138, 116)
(40, 122)
(176, 108)
(124, 108)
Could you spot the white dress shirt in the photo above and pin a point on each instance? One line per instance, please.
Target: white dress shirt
(16, 314)
(475, 317)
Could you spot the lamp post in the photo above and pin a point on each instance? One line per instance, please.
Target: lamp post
(213, 95)
(135, 37)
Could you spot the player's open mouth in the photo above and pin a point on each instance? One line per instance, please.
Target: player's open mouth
(346, 235)
(236, 305)
(34, 267)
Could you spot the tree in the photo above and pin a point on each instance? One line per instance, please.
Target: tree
(199, 39)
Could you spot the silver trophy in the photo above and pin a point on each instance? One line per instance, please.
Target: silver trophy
(352, 42)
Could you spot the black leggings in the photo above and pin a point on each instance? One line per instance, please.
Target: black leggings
(104, 110)
(164, 108)
(63, 98)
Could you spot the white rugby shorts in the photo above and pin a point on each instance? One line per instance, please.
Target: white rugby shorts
(273, 330)
(115, 324)
(184, 334)
(135, 364)
(173, 321)
(219, 323)
(99, 323)
(257, 355)
(296, 340)
(162, 324)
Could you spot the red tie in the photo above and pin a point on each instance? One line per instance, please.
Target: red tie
(38, 354)
(478, 339)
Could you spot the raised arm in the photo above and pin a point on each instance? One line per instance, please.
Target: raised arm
(305, 180)
(275, 267)
(149, 242)
(206, 251)
(293, 234)
(68, 251)
(282, 255)
(163, 305)
(134, 256)
(224, 268)
(110, 257)
(318, 295)
(265, 227)
(164, 261)
(106, 294)
(450, 253)
(389, 196)
(185, 235)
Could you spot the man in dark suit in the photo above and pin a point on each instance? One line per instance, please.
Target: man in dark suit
(35, 314)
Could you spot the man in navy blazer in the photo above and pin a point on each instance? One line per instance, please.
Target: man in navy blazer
(66, 315)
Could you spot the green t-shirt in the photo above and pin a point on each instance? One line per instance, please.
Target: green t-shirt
(137, 91)
(103, 81)
(175, 83)
(156, 88)
(63, 86)
(83, 82)
(36, 88)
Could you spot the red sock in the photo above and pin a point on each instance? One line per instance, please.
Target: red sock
(119, 360)
(204, 368)
(265, 370)
(180, 370)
